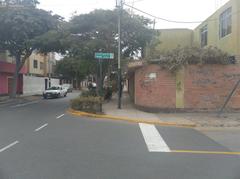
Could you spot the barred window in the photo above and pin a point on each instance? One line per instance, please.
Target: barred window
(225, 23)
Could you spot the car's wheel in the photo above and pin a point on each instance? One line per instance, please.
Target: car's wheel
(44, 96)
(65, 94)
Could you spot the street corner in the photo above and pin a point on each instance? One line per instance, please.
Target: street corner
(130, 120)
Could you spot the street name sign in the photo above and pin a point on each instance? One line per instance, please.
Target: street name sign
(104, 55)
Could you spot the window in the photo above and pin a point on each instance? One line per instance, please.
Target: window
(41, 65)
(225, 23)
(204, 35)
(35, 64)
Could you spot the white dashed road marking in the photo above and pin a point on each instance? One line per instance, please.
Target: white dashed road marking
(38, 129)
(24, 104)
(9, 146)
(60, 116)
(153, 139)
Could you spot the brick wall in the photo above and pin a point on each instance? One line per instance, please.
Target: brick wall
(208, 86)
(159, 92)
(205, 87)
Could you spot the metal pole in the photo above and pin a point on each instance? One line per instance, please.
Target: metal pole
(49, 73)
(100, 75)
(229, 97)
(119, 54)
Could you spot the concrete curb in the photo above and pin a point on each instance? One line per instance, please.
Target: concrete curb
(132, 120)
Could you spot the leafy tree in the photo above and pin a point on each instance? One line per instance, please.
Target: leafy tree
(21, 29)
(19, 2)
(97, 32)
(71, 68)
(99, 28)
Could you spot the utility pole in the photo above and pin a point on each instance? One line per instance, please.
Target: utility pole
(154, 24)
(49, 72)
(119, 5)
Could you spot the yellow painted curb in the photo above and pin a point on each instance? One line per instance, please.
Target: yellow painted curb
(205, 152)
(132, 120)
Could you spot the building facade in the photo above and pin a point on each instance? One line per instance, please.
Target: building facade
(221, 30)
(41, 65)
(195, 87)
(7, 69)
(38, 65)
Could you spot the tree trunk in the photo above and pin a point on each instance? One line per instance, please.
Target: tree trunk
(15, 77)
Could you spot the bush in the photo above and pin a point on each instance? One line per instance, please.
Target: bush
(91, 104)
(179, 57)
(108, 93)
(89, 93)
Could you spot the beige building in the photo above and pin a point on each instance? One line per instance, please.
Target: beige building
(41, 64)
(221, 30)
(172, 38)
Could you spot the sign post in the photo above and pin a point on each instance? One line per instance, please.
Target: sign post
(100, 57)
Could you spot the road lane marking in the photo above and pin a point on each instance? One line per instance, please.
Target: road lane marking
(205, 152)
(24, 104)
(38, 129)
(9, 146)
(153, 139)
(60, 116)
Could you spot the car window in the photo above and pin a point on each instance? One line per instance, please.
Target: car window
(54, 88)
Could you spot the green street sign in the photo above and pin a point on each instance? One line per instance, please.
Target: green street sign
(104, 55)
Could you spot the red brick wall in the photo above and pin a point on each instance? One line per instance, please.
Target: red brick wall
(208, 86)
(155, 93)
(205, 87)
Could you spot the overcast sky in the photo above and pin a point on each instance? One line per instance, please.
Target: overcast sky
(178, 10)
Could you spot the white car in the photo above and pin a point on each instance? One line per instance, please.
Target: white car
(55, 92)
(69, 87)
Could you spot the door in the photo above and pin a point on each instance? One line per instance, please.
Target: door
(46, 84)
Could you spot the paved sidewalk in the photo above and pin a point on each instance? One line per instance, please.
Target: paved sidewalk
(199, 119)
(5, 100)
(129, 111)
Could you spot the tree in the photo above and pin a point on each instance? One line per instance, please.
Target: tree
(97, 31)
(100, 28)
(21, 29)
(71, 69)
(19, 2)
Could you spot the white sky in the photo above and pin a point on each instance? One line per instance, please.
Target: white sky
(178, 10)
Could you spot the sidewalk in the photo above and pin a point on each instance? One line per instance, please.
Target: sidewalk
(201, 120)
(5, 100)
(129, 111)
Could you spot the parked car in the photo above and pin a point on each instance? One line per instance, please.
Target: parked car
(92, 86)
(69, 87)
(55, 92)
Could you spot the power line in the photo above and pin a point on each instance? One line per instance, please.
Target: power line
(174, 21)
(160, 18)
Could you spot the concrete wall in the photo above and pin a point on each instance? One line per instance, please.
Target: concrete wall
(172, 38)
(36, 85)
(196, 87)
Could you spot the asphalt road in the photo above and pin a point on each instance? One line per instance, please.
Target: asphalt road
(41, 141)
